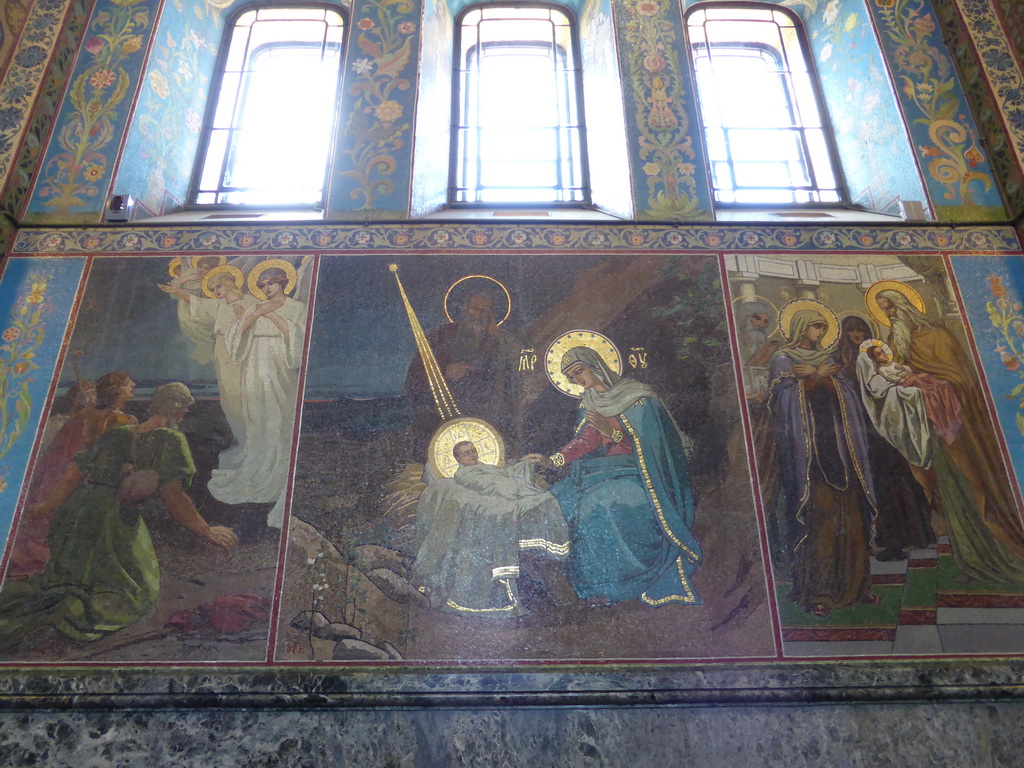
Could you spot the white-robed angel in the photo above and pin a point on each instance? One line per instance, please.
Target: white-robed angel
(266, 341)
(220, 303)
(195, 318)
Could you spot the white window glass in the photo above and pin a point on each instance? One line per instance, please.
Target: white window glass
(763, 124)
(519, 134)
(271, 125)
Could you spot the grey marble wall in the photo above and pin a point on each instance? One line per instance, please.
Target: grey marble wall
(950, 734)
(969, 713)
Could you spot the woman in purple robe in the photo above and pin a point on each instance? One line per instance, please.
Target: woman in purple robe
(821, 443)
(903, 512)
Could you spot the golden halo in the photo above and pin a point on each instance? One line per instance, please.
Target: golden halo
(501, 285)
(490, 447)
(766, 301)
(223, 269)
(870, 299)
(869, 343)
(222, 260)
(578, 338)
(174, 268)
(255, 272)
(790, 309)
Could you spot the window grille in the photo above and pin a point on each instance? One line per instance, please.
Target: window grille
(766, 135)
(518, 134)
(271, 121)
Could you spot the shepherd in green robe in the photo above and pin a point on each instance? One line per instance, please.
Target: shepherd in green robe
(103, 574)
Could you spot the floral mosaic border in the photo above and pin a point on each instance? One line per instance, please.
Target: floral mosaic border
(533, 237)
(1012, 15)
(76, 170)
(163, 132)
(373, 168)
(988, 113)
(956, 170)
(46, 105)
(663, 108)
(25, 74)
(1001, 67)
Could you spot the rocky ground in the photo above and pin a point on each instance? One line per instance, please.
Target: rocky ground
(356, 580)
(348, 597)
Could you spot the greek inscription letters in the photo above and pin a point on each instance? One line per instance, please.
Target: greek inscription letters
(527, 359)
(637, 357)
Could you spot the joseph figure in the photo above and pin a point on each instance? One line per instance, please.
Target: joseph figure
(479, 361)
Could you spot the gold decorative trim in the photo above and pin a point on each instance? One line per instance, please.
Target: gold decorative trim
(513, 603)
(690, 554)
(689, 597)
(254, 276)
(831, 334)
(508, 296)
(223, 269)
(555, 549)
(871, 299)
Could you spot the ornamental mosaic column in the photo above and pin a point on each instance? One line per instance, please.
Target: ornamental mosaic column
(670, 180)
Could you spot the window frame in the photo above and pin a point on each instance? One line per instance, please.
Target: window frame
(213, 99)
(454, 165)
(841, 189)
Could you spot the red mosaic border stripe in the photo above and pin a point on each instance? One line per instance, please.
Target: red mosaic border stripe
(838, 634)
(889, 578)
(981, 601)
(918, 616)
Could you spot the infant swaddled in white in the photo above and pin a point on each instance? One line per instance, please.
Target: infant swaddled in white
(472, 528)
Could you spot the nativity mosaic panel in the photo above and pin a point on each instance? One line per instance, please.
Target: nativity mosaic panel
(391, 458)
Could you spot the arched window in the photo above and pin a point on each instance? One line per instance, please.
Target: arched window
(518, 133)
(766, 133)
(272, 116)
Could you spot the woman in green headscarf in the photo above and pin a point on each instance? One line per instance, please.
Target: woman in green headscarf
(825, 484)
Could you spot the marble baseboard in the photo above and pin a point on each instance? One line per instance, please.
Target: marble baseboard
(951, 735)
(387, 688)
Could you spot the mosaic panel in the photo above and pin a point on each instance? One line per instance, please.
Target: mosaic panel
(38, 126)
(373, 167)
(1002, 70)
(893, 521)
(867, 126)
(978, 91)
(39, 25)
(37, 296)
(956, 170)
(76, 170)
(593, 456)
(667, 156)
(163, 137)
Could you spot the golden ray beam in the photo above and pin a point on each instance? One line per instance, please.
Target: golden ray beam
(443, 398)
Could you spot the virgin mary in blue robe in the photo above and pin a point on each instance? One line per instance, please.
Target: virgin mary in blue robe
(627, 498)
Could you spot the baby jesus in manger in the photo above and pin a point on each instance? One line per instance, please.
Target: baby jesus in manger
(473, 529)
